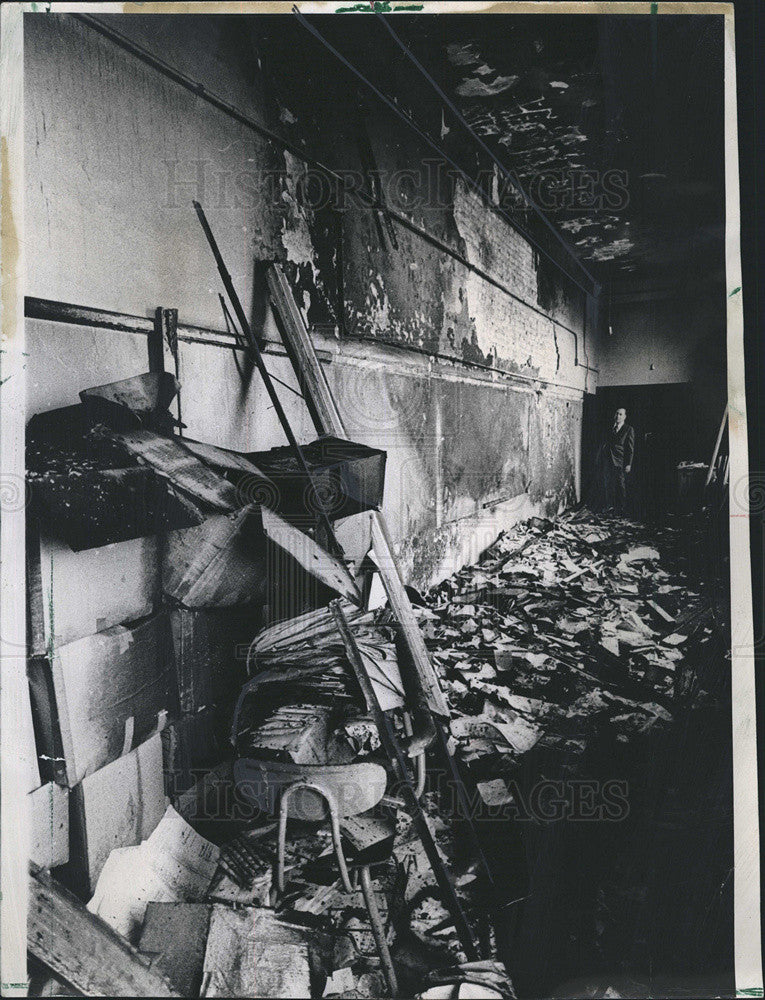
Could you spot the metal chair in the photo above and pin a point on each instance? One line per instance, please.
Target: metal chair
(314, 793)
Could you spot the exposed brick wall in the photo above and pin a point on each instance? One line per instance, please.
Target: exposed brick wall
(421, 296)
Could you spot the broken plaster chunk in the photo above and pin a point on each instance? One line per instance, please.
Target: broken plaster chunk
(494, 792)
(341, 981)
(675, 639)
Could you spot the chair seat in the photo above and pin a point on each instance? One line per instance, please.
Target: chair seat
(355, 788)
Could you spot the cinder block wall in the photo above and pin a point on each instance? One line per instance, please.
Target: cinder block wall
(476, 397)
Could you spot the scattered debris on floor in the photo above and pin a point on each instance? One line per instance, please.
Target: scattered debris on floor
(562, 624)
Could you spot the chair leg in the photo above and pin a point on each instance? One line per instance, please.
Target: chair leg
(419, 765)
(281, 840)
(378, 931)
(419, 760)
(334, 819)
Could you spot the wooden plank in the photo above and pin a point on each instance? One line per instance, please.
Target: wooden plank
(385, 560)
(155, 344)
(313, 385)
(223, 458)
(312, 557)
(172, 461)
(118, 806)
(665, 615)
(82, 949)
(112, 690)
(327, 420)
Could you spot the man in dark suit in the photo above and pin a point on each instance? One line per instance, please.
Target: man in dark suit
(615, 461)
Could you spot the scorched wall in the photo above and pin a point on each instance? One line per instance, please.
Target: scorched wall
(476, 395)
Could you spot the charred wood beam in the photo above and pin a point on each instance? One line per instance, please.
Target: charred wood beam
(82, 949)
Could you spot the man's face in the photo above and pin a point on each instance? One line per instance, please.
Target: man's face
(620, 416)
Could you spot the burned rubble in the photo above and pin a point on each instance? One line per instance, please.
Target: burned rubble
(375, 456)
(379, 633)
(342, 802)
(567, 632)
(564, 624)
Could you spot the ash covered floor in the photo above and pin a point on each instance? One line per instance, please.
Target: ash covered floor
(587, 668)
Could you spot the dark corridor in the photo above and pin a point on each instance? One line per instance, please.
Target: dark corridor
(652, 410)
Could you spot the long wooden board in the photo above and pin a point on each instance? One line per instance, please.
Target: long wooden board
(172, 461)
(327, 420)
(309, 555)
(82, 949)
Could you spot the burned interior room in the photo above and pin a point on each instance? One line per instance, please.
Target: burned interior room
(377, 535)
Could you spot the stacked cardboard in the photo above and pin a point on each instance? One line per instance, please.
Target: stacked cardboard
(140, 613)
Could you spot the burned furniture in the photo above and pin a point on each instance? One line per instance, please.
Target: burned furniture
(346, 478)
(91, 494)
(307, 746)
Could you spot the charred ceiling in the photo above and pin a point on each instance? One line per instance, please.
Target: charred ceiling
(610, 126)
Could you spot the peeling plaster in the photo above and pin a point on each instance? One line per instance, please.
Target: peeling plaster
(296, 234)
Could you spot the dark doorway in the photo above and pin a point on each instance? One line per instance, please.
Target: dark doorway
(667, 431)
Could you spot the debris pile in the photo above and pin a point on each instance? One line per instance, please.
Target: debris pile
(562, 628)
(562, 624)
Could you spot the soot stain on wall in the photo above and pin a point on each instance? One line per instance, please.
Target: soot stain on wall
(346, 279)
